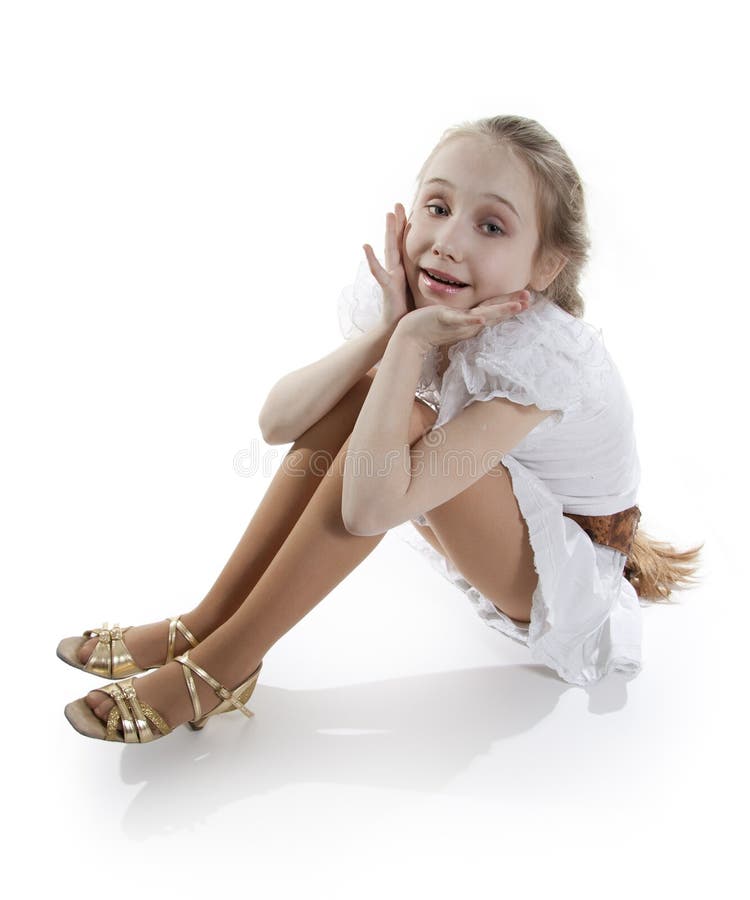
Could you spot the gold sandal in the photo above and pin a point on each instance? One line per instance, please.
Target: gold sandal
(136, 715)
(110, 657)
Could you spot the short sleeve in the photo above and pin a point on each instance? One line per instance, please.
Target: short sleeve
(360, 305)
(542, 356)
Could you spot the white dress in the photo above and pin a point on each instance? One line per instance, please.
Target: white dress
(585, 615)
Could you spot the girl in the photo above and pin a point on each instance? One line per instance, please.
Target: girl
(469, 342)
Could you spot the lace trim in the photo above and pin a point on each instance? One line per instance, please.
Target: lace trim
(360, 305)
(543, 356)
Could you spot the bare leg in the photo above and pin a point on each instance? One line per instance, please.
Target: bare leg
(317, 555)
(429, 535)
(291, 488)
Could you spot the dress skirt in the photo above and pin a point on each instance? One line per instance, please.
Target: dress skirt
(585, 615)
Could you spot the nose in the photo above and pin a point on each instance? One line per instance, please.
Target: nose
(445, 244)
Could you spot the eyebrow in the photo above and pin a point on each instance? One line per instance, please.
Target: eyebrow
(493, 196)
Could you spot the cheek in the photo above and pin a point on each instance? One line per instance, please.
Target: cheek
(408, 240)
(412, 277)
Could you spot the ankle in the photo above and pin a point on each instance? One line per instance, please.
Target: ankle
(210, 614)
(199, 623)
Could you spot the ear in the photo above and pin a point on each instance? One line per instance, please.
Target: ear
(546, 273)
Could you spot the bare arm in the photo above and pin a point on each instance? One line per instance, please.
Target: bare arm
(396, 484)
(301, 398)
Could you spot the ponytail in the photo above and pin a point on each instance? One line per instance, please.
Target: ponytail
(655, 569)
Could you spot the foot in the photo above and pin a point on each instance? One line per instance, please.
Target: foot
(166, 690)
(148, 643)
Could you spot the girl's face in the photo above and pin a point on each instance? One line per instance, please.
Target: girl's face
(457, 229)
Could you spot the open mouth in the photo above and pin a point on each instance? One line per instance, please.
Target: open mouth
(440, 284)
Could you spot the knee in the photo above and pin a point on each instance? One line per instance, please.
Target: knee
(423, 418)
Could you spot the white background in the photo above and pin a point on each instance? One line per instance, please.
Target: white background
(185, 191)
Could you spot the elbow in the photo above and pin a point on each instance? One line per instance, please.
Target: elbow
(270, 432)
(270, 437)
(353, 526)
(356, 523)
(362, 530)
(350, 515)
(362, 516)
(265, 427)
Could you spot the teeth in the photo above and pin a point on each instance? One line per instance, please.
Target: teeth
(444, 280)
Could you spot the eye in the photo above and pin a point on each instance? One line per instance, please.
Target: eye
(489, 224)
(493, 225)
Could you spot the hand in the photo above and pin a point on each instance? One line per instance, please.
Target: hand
(440, 326)
(397, 296)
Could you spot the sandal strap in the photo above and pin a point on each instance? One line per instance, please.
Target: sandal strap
(188, 667)
(133, 713)
(110, 658)
(176, 624)
(192, 690)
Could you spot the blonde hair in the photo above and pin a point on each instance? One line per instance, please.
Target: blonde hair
(560, 208)
(654, 568)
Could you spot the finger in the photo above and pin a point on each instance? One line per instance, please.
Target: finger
(377, 270)
(522, 296)
(458, 318)
(500, 313)
(494, 302)
(400, 215)
(401, 231)
(501, 306)
(399, 223)
(392, 256)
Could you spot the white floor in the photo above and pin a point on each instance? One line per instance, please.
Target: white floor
(186, 189)
(399, 746)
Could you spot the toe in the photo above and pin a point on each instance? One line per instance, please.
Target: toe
(102, 711)
(93, 699)
(100, 703)
(86, 650)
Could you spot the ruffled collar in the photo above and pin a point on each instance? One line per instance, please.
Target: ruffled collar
(431, 382)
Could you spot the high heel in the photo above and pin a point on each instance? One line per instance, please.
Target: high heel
(137, 716)
(231, 700)
(111, 657)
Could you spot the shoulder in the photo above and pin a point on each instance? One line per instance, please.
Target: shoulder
(546, 325)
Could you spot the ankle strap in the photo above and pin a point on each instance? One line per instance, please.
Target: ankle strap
(219, 689)
(176, 624)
